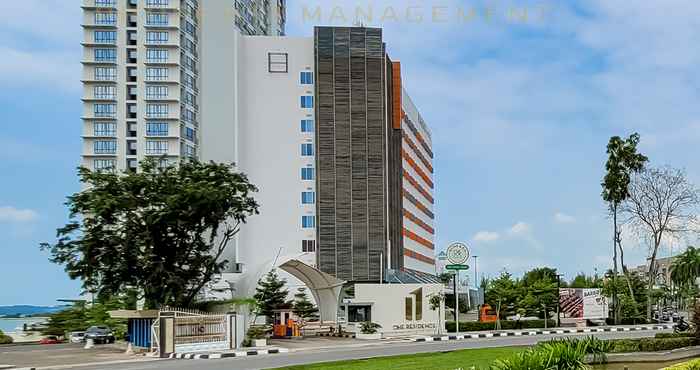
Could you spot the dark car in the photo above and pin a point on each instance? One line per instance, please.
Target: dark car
(99, 334)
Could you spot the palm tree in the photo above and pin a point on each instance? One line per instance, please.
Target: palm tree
(685, 269)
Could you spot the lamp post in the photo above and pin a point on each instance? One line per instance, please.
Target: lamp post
(558, 301)
(475, 275)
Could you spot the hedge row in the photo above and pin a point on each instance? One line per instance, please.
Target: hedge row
(628, 321)
(505, 325)
(674, 335)
(650, 344)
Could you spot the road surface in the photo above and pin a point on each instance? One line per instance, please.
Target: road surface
(349, 353)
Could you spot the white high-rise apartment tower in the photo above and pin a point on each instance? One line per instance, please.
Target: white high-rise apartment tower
(142, 62)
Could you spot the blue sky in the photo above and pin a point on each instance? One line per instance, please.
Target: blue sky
(520, 111)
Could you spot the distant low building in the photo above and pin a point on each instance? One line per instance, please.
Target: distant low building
(663, 270)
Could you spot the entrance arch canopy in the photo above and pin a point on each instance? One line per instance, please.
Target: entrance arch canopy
(324, 287)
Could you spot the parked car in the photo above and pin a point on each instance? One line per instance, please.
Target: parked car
(51, 339)
(99, 334)
(77, 337)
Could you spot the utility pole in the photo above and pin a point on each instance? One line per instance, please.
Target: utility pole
(456, 281)
(476, 282)
(558, 300)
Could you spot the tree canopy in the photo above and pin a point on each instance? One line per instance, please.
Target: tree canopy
(160, 231)
(270, 295)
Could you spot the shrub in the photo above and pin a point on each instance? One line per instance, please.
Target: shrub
(505, 325)
(558, 354)
(255, 332)
(5, 339)
(673, 335)
(690, 365)
(654, 345)
(369, 327)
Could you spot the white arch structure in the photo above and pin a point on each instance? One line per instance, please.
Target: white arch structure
(324, 287)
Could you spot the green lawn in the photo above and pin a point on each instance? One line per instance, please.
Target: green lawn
(464, 359)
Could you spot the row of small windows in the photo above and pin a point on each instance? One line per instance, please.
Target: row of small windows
(105, 110)
(307, 149)
(307, 101)
(102, 18)
(307, 173)
(157, 37)
(107, 3)
(156, 147)
(157, 110)
(104, 92)
(156, 92)
(155, 3)
(106, 37)
(105, 147)
(105, 73)
(157, 19)
(156, 74)
(106, 55)
(156, 129)
(156, 55)
(105, 129)
(308, 197)
(308, 222)
(307, 125)
(104, 165)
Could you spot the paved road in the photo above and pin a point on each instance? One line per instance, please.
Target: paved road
(348, 353)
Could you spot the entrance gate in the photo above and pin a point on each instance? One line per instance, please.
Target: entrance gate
(185, 330)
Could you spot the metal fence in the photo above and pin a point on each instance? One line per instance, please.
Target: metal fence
(195, 330)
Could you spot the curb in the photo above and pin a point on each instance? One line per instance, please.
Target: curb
(336, 335)
(212, 356)
(538, 332)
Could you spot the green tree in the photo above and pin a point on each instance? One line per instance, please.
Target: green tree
(502, 292)
(623, 160)
(303, 307)
(81, 316)
(583, 281)
(685, 269)
(270, 295)
(158, 231)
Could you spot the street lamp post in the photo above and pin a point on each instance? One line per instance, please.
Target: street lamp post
(476, 282)
(558, 301)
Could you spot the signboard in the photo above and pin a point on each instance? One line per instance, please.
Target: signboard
(457, 253)
(457, 267)
(583, 303)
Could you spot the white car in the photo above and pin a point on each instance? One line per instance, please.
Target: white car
(77, 337)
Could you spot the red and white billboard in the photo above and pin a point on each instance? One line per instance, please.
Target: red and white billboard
(583, 303)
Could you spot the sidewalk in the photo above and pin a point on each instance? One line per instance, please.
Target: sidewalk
(511, 333)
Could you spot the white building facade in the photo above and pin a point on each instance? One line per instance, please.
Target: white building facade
(142, 64)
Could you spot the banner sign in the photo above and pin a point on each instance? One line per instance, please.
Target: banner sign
(583, 303)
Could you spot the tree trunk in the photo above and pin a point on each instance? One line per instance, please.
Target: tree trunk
(614, 300)
(626, 272)
(652, 274)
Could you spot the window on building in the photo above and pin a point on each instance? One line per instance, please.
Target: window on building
(157, 19)
(307, 173)
(156, 92)
(156, 129)
(156, 55)
(106, 55)
(188, 151)
(157, 37)
(308, 222)
(156, 74)
(190, 28)
(157, 110)
(308, 197)
(106, 37)
(105, 3)
(188, 98)
(105, 110)
(307, 77)
(103, 18)
(104, 92)
(188, 81)
(156, 147)
(157, 3)
(108, 129)
(307, 125)
(189, 116)
(190, 134)
(308, 246)
(307, 101)
(104, 165)
(277, 62)
(359, 313)
(307, 149)
(105, 73)
(105, 147)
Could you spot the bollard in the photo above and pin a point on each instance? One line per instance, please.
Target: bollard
(89, 343)
(129, 349)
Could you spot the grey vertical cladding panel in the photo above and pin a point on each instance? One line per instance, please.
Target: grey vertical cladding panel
(325, 151)
(358, 106)
(376, 128)
(343, 143)
(351, 129)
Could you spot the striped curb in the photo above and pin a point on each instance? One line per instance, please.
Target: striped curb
(211, 356)
(538, 332)
(349, 335)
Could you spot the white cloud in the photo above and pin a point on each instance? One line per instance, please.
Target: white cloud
(486, 236)
(563, 218)
(520, 228)
(12, 214)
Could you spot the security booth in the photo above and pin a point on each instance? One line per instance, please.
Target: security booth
(286, 324)
(400, 309)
